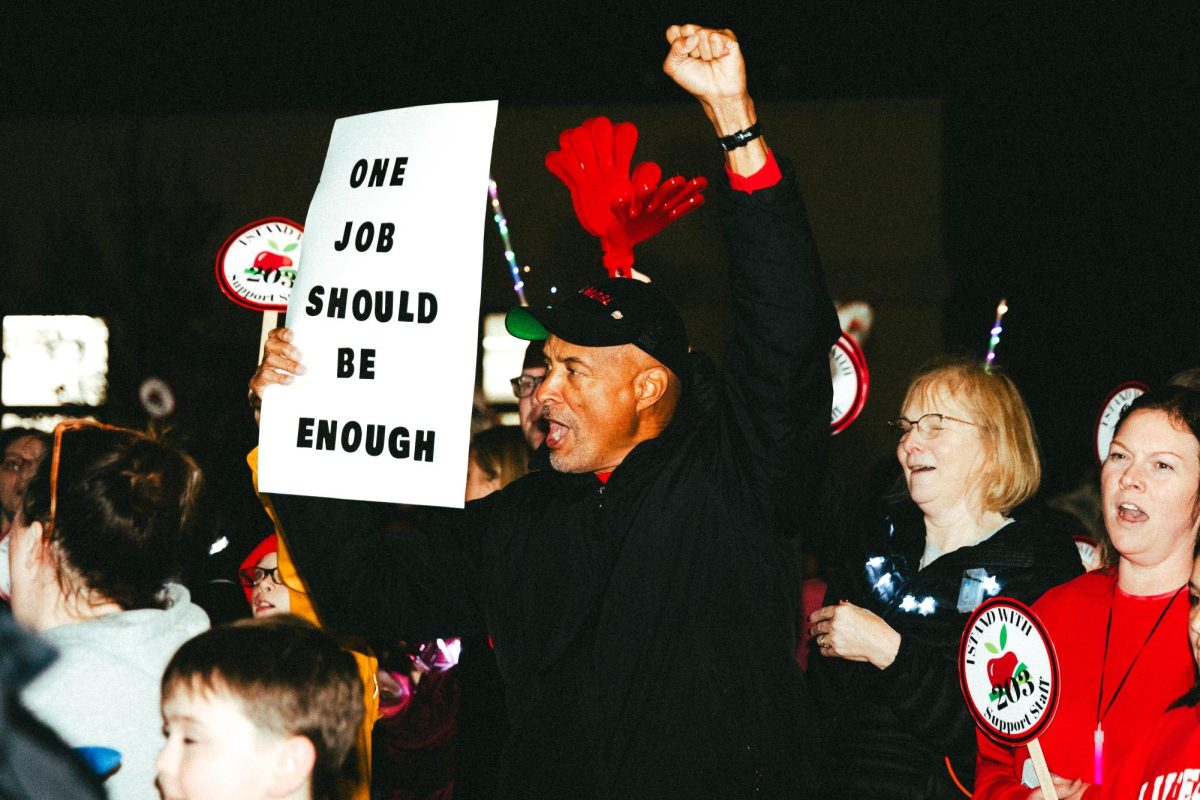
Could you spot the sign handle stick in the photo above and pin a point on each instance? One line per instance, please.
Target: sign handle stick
(1043, 772)
(270, 321)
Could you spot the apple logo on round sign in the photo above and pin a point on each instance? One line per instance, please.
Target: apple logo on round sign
(1002, 668)
(256, 266)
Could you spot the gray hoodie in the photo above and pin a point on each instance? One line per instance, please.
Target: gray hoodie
(104, 688)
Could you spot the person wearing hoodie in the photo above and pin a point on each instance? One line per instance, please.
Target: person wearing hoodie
(94, 549)
(262, 581)
(34, 762)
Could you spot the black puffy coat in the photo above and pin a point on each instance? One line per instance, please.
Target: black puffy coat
(887, 733)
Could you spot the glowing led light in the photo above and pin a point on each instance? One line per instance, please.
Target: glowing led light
(876, 562)
(509, 255)
(218, 545)
(925, 606)
(997, 329)
(451, 649)
(990, 585)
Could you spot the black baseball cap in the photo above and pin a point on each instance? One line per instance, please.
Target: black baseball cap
(611, 312)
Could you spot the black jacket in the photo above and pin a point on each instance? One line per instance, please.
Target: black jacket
(644, 628)
(888, 732)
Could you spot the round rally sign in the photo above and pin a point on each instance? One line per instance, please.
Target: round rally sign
(848, 370)
(1110, 414)
(1089, 552)
(1008, 671)
(256, 266)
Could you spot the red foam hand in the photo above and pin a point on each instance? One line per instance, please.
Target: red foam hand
(653, 208)
(593, 161)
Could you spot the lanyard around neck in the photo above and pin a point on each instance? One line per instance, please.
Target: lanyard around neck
(1104, 662)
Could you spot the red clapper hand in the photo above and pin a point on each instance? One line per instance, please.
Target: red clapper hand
(620, 210)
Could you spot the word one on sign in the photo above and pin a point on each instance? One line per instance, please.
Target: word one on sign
(385, 311)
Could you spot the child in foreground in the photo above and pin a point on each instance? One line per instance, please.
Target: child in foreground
(264, 708)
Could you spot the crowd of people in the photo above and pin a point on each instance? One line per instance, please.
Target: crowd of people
(615, 612)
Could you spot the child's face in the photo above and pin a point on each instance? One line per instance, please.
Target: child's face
(268, 596)
(213, 752)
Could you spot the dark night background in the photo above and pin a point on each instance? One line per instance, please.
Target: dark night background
(1068, 164)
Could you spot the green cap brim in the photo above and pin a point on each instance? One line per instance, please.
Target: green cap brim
(522, 324)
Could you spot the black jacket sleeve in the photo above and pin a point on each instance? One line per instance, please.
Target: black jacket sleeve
(775, 421)
(377, 584)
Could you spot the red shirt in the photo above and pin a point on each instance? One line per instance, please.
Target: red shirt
(1165, 763)
(1076, 615)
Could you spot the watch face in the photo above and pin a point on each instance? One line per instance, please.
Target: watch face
(1110, 414)
(848, 371)
(256, 266)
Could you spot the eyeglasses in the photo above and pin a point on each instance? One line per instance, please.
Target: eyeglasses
(929, 425)
(524, 385)
(253, 576)
(56, 454)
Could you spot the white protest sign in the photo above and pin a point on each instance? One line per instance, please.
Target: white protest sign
(386, 312)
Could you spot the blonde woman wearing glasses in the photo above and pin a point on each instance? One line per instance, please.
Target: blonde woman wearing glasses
(95, 547)
(886, 681)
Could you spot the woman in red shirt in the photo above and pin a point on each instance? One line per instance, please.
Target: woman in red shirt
(1165, 763)
(1116, 631)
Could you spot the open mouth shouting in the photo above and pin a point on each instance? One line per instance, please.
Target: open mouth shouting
(1131, 513)
(556, 432)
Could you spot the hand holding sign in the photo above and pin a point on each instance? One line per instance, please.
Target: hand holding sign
(280, 362)
(1008, 672)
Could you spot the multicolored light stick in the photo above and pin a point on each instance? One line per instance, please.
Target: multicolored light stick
(509, 255)
(997, 329)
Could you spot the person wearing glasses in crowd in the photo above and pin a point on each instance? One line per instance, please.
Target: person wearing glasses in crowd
(95, 548)
(262, 583)
(533, 372)
(884, 665)
(1119, 631)
(615, 579)
(23, 451)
